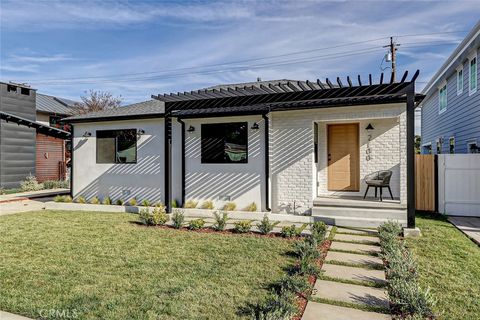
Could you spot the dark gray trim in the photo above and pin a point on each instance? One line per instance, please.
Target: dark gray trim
(72, 152)
(411, 155)
(168, 160)
(267, 162)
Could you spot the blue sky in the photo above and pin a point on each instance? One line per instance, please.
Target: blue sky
(138, 48)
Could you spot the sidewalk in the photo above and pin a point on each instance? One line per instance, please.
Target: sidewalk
(468, 225)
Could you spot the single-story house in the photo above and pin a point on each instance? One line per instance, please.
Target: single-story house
(297, 147)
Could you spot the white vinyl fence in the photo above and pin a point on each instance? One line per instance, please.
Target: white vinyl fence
(459, 184)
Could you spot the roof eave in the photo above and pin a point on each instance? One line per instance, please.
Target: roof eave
(115, 118)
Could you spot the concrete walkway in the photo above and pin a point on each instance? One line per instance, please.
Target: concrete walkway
(11, 316)
(468, 225)
(21, 206)
(32, 195)
(352, 279)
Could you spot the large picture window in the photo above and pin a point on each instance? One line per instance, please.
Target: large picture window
(225, 142)
(117, 146)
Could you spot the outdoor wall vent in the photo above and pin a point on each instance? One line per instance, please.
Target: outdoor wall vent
(224, 197)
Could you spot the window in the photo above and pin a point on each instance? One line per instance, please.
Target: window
(442, 97)
(427, 148)
(472, 147)
(11, 88)
(25, 91)
(452, 145)
(117, 146)
(225, 142)
(460, 81)
(473, 75)
(439, 146)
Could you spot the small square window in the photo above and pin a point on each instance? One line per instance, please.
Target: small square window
(427, 149)
(11, 88)
(224, 142)
(25, 91)
(452, 145)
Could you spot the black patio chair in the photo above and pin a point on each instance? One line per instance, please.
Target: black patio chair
(379, 179)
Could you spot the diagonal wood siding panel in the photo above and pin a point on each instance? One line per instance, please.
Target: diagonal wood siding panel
(425, 182)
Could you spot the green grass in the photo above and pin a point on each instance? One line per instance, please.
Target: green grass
(104, 266)
(449, 264)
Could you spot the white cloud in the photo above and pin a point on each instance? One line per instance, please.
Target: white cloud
(42, 59)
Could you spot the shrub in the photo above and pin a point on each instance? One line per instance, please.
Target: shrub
(306, 249)
(67, 199)
(196, 224)
(319, 230)
(107, 201)
(81, 200)
(144, 216)
(390, 227)
(290, 231)
(251, 207)
(291, 284)
(410, 298)
(229, 206)
(133, 202)
(178, 217)
(208, 204)
(159, 215)
(242, 226)
(191, 204)
(55, 184)
(276, 307)
(95, 200)
(146, 203)
(59, 198)
(30, 184)
(120, 202)
(221, 219)
(174, 203)
(265, 226)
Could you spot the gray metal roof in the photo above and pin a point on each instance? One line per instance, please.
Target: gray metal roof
(141, 109)
(51, 104)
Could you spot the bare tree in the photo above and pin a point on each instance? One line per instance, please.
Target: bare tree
(97, 101)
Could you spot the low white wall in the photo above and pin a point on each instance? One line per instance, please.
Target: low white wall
(459, 184)
(243, 182)
(142, 180)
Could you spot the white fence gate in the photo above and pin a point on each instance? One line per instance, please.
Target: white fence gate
(459, 184)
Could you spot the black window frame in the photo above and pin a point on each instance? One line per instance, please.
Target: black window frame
(116, 145)
(11, 88)
(25, 91)
(223, 126)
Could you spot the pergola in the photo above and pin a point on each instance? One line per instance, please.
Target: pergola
(291, 95)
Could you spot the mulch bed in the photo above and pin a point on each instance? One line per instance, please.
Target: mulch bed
(303, 297)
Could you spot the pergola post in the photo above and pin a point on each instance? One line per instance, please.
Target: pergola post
(410, 91)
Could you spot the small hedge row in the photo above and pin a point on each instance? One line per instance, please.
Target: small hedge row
(405, 294)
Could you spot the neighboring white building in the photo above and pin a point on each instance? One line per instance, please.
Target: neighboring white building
(289, 146)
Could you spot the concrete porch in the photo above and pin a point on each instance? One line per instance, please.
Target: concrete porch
(354, 211)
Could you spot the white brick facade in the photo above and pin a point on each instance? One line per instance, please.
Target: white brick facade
(294, 174)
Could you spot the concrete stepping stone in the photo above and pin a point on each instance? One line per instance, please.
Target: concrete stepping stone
(322, 311)
(360, 231)
(357, 247)
(353, 273)
(351, 293)
(353, 238)
(353, 258)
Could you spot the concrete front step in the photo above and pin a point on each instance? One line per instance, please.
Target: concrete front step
(360, 222)
(354, 238)
(351, 293)
(357, 247)
(354, 258)
(328, 211)
(322, 311)
(358, 202)
(354, 273)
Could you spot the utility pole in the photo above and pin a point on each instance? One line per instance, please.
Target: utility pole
(393, 49)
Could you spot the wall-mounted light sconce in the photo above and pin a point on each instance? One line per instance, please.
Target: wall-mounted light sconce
(141, 132)
(191, 129)
(369, 127)
(255, 126)
(87, 134)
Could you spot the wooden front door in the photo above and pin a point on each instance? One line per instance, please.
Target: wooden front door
(343, 157)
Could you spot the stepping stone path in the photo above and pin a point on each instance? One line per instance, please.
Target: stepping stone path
(352, 280)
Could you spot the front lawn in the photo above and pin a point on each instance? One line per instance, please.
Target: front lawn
(449, 263)
(104, 266)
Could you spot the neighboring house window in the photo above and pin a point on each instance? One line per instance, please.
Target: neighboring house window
(460, 81)
(442, 97)
(473, 75)
(117, 146)
(225, 142)
(11, 88)
(25, 91)
(452, 145)
(427, 148)
(472, 147)
(439, 146)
